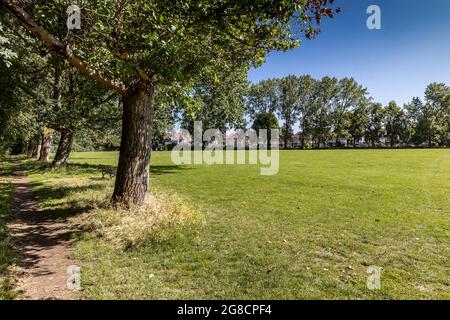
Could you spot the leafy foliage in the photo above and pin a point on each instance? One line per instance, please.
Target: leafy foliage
(179, 40)
(219, 105)
(331, 108)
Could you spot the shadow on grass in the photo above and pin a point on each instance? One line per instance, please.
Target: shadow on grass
(158, 170)
(49, 195)
(34, 167)
(96, 169)
(3, 172)
(44, 193)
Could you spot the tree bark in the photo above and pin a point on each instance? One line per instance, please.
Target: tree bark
(30, 149)
(64, 148)
(37, 152)
(286, 138)
(47, 138)
(131, 184)
(34, 147)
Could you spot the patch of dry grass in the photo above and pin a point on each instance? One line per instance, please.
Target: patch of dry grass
(154, 222)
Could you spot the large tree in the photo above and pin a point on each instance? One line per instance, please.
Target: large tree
(266, 121)
(394, 121)
(57, 90)
(218, 105)
(84, 104)
(413, 112)
(288, 108)
(24, 92)
(350, 96)
(323, 100)
(375, 125)
(430, 121)
(359, 120)
(435, 122)
(132, 47)
(263, 98)
(306, 87)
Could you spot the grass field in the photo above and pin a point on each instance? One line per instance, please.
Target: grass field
(309, 232)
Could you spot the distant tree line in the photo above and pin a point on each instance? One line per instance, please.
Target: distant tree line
(330, 110)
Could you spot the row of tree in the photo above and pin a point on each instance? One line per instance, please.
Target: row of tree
(324, 110)
(332, 109)
(44, 98)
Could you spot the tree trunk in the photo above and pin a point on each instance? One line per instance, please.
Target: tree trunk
(303, 143)
(47, 138)
(30, 149)
(34, 152)
(64, 148)
(430, 143)
(286, 137)
(131, 185)
(37, 152)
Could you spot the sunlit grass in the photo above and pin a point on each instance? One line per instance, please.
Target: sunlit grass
(309, 232)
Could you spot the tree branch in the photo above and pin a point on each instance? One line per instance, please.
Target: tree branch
(59, 47)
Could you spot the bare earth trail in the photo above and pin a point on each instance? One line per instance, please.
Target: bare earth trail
(42, 243)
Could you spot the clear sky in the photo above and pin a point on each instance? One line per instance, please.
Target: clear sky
(395, 63)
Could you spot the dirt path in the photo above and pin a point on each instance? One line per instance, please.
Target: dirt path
(42, 243)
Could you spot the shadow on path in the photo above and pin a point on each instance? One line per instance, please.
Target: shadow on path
(42, 242)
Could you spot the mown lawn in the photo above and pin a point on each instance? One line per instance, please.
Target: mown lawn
(6, 252)
(310, 232)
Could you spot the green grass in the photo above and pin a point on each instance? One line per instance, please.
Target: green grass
(309, 232)
(6, 252)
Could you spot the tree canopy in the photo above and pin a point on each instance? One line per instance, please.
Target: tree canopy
(122, 41)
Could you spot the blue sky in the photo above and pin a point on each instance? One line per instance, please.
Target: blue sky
(395, 63)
